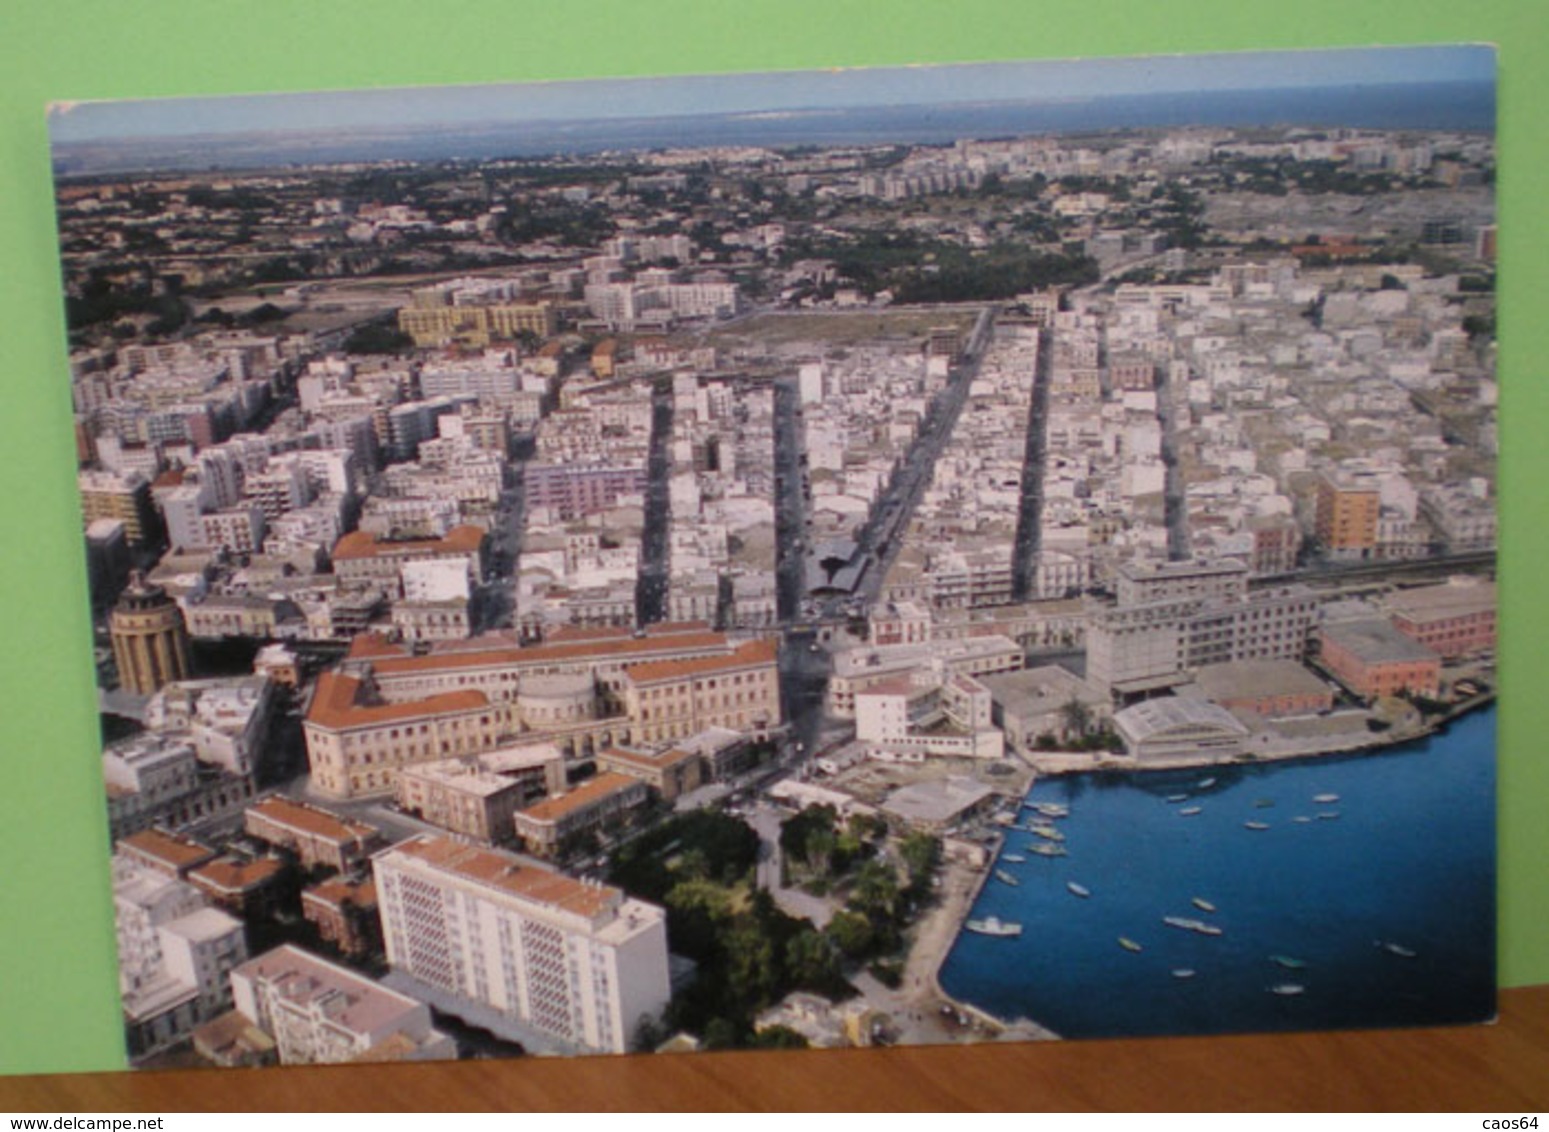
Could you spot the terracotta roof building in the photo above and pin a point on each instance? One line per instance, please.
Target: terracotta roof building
(356, 746)
(668, 700)
(316, 836)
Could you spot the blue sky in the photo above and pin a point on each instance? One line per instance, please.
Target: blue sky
(766, 93)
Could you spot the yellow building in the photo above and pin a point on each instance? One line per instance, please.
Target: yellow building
(1347, 516)
(150, 640)
(477, 326)
(671, 699)
(357, 747)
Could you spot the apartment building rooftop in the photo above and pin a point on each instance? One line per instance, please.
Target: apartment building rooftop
(506, 873)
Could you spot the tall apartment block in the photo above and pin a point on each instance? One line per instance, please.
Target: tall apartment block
(576, 962)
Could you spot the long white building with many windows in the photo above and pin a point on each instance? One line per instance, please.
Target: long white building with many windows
(578, 962)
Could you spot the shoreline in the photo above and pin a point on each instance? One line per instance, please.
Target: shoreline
(1055, 764)
(1039, 1031)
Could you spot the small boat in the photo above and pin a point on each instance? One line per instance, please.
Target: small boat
(1263, 803)
(1301, 819)
(1006, 878)
(1202, 904)
(1397, 949)
(1175, 798)
(994, 925)
(1255, 825)
(1205, 784)
(1080, 890)
(1330, 815)
(1288, 962)
(1190, 811)
(1047, 832)
(1051, 809)
(1013, 858)
(1128, 944)
(1047, 849)
(1325, 799)
(1191, 925)
(1287, 990)
(1183, 972)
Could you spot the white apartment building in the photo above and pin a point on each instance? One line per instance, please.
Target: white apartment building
(174, 953)
(578, 962)
(321, 1014)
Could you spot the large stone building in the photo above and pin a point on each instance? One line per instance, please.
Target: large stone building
(1172, 618)
(576, 963)
(671, 699)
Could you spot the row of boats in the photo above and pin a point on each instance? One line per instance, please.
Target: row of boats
(1051, 844)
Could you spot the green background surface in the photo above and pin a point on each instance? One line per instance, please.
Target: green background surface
(58, 993)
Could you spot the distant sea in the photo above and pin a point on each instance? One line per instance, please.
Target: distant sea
(1409, 106)
(1405, 856)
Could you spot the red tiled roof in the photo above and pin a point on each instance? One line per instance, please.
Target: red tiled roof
(506, 872)
(310, 819)
(542, 654)
(751, 654)
(231, 875)
(362, 544)
(589, 793)
(334, 704)
(169, 849)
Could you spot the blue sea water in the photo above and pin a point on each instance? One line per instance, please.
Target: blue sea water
(1418, 105)
(1408, 861)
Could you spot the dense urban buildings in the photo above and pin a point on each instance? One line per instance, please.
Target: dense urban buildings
(507, 568)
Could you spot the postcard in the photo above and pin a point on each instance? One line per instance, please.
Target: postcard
(893, 556)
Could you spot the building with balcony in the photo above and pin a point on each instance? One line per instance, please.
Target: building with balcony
(570, 962)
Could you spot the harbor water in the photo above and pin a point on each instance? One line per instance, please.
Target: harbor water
(1343, 891)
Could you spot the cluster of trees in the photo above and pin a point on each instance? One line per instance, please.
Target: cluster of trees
(883, 887)
(750, 954)
(922, 269)
(102, 300)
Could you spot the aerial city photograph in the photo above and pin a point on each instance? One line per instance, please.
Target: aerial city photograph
(855, 558)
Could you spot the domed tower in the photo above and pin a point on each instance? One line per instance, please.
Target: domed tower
(150, 641)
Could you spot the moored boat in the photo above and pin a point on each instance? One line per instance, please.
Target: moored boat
(1189, 924)
(1325, 799)
(1397, 949)
(1080, 890)
(1290, 963)
(1202, 904)
(1013, 858)
(1047, 849)
(1128, 944)
(1189, 811)
(1183, 972)
(994, 925)
(1287, 990)
(1255, 825)
(1006, 878)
